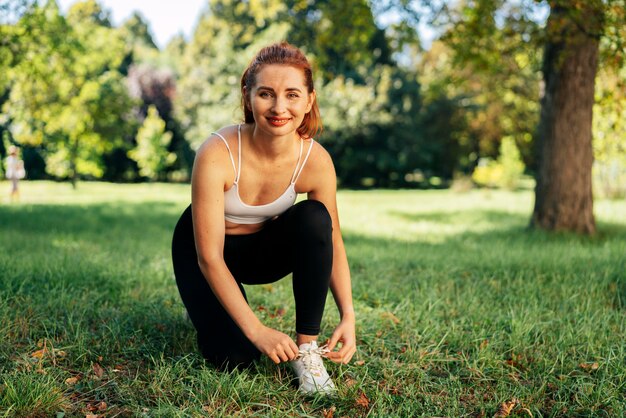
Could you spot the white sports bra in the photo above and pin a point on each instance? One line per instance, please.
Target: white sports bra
(236, 211)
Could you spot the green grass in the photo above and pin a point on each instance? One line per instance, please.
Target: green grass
(460, 309)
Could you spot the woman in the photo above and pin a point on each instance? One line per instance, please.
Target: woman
(243, 227)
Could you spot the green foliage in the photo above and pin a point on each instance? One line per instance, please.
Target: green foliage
(341, 34)
(505, 172)
(151, 154)
(609, 127)
(137, 31)
(459, 309)
(493, 66)
(76, 89)
(68, 95)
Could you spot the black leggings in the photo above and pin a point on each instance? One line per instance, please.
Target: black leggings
(299, 241)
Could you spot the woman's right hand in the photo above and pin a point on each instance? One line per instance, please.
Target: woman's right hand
(276, 345)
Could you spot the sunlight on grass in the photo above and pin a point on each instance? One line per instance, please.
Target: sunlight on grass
(459, 309)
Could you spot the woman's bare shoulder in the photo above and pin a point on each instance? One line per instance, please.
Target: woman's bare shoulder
(319, 159)
(318, 170)
(214, 144)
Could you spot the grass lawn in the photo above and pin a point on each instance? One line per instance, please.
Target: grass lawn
(460, 311)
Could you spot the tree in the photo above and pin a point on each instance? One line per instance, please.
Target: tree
(68, 95)
(563, 195)
(571, 39)
(157, 87)
(151, 154)
(138, 31)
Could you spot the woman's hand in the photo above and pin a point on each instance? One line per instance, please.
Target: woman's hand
(346, 334)
(274, 344)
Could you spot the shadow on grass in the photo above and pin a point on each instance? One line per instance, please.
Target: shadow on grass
(101, 272)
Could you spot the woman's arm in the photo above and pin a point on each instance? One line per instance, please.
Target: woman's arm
(325, 190)
(211, 172)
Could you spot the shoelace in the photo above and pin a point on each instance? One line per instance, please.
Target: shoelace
(312, 358)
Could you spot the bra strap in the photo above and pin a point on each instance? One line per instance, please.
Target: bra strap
(239, 146)
(295, 171)
(230, 154)
(304, 162)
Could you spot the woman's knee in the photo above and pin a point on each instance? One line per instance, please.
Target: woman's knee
(311, 218)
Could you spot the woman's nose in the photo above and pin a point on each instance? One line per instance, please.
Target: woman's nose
(279, 105)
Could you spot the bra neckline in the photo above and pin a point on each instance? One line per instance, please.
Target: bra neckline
(291, 186)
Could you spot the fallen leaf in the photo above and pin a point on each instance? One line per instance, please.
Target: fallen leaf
(261, 308)
(329, 413)
(363, 401)
(39, 353)
(391, 317)
(359, 362)
(588, 366)
(349, 382)
(71, 380)
(506, 408)
(91, 416)
(102, 406)
(378, 334)
(98, 370)
(484, 344)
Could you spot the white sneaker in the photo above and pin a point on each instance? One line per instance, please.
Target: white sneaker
(310, 370)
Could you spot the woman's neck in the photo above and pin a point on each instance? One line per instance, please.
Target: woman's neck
(271, 147)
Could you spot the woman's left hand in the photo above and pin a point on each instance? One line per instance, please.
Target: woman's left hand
(346, 334)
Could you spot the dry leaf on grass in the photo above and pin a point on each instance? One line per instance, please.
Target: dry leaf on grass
(39, 353)
(330, 412)
(278, 313)
(391, 317)
(506, 408)
(359, 362)
(97, 406)
(98, 370)
(363, 401)
(71, 380)
(589, 366)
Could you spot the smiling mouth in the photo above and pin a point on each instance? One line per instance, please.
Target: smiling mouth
(278, 121)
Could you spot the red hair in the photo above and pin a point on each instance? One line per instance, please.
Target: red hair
(282, 53)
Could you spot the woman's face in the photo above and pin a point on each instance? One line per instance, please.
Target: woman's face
(279, 99)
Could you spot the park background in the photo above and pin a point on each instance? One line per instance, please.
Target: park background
(464, 311)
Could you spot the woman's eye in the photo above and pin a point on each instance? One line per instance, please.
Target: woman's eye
(292, 96)
(264, 94)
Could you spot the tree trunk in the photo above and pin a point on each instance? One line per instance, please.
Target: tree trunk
(563, 195)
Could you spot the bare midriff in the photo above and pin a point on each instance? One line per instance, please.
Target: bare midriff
(242, 229)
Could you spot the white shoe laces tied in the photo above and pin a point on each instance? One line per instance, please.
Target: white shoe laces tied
(312, 357)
